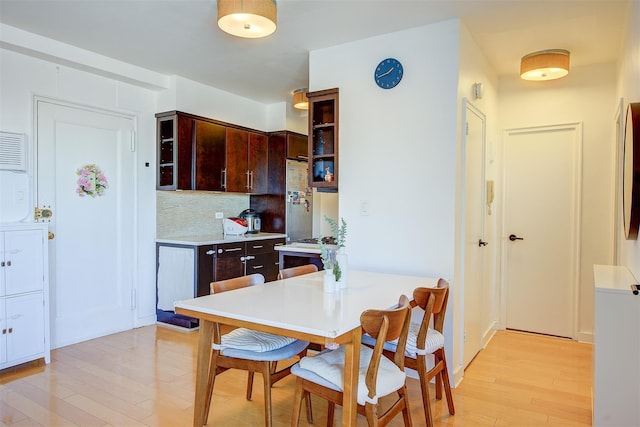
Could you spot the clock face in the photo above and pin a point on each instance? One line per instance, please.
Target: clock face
(388, 73)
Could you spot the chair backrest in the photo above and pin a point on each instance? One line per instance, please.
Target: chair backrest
(386, 325)
(297, 271)
(432, 301)
(236, 283)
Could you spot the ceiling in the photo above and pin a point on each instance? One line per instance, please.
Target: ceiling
(181, 37)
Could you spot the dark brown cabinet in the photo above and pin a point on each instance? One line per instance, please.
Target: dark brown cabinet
(229, 261)
(197, 153)
(247, 160)
(242, 258)
(323, 139)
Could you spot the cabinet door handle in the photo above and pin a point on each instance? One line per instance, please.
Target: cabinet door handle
(2, 264)
(258, 267)
(4, 331)
(251, 180)
(210, 252)
(258, 247)
(223, 178)
(248, 182)
(10, 330)
(9, 263)
(233, 249)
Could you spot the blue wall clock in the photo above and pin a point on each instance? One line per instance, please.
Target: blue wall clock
(388, 73)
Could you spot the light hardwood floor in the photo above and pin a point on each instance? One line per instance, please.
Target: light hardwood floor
(145, 377)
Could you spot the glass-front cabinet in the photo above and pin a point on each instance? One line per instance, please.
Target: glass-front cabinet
(323, 139)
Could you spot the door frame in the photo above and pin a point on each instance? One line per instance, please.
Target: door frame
(469, 107)
(577, 213)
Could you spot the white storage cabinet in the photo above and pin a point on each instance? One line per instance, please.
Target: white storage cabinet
(616, 353)
(24, 294)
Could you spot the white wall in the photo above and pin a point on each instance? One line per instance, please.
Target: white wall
(629, 90)
(586, 95)
(398, 150)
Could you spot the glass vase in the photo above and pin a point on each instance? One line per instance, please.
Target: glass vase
(343, 262)
(329, 282)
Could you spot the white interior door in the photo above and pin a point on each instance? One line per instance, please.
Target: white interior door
(92, 253)
(542, 216)
(474, 183)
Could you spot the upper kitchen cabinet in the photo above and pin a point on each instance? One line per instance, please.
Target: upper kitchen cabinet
(247, 161)
(323, 139)
(191, 153)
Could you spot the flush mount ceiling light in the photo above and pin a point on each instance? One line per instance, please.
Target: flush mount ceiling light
(300, 100)
(547, 64)
(247, 18)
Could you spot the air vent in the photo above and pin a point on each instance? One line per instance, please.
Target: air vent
(13, 151)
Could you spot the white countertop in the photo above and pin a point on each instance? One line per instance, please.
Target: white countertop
(212, 239)
(307, 248)
(613, 278)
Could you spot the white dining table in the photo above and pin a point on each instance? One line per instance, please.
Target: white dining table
(298, 307)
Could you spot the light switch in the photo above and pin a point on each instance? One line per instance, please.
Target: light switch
(364, 208)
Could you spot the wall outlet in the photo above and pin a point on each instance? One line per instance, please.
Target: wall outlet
(219, 215)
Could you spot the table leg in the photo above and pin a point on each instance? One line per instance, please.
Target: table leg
(351, 368)
(202, 371)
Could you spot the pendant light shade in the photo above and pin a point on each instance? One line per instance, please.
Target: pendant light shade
(247, 18)
(547, 64)
(300, 100)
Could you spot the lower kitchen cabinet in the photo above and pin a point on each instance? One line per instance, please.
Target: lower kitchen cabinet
(186, 271)
(24, 294)
(261, 257)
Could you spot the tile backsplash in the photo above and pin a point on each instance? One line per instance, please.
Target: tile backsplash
(192, 213)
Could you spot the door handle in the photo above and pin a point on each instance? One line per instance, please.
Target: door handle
(513, 237)
(482, 243)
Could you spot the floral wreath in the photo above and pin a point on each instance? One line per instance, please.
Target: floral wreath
(91, 181)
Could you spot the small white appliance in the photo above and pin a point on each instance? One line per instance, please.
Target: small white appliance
(234, 226)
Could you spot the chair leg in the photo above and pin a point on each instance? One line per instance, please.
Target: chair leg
(266, 376)
(297, 403)
(307, 397)
(437, 359)
(424, 387)
(447, 386)
(249, 384)
(213, 366)
(330, 411)
(406, 415)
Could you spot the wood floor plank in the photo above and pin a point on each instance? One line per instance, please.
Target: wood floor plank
(146, 377)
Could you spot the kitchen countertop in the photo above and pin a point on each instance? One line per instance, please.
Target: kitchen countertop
(212, 239)
(307, 248)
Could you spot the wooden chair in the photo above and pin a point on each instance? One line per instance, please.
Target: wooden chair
(297, 271)
(423, 340)
(238, 349)
(383, 376)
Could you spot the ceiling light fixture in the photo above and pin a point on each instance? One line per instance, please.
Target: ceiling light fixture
(247, 18)
(547, 64)
(300, 100)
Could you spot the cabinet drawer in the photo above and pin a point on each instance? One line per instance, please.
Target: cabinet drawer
(265, 264)
(230, 250)
(263, 246)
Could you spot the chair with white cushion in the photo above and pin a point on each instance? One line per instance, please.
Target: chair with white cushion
(249, 350)
(379, 376)
(424, 340)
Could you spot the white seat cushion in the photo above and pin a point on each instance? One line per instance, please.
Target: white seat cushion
(329, 365)
(247, 339)
(435, 341)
